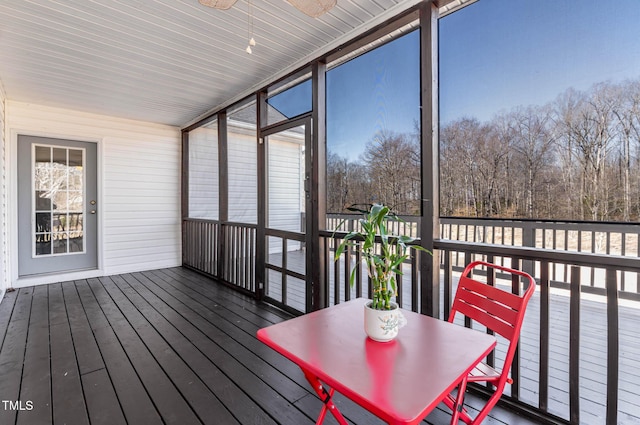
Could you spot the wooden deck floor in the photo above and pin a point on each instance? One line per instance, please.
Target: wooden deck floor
(160, 347)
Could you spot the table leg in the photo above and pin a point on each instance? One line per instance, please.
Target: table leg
(325, 396)
(458, 406)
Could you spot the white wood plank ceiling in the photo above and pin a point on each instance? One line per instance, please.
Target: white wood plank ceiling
(164, 61)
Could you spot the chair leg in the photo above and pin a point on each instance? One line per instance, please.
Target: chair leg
(486, 409)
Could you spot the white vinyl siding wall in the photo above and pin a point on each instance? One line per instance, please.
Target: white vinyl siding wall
(203, 173)
(285, 169)
(243, 177)
(285, 189)
(140, 175)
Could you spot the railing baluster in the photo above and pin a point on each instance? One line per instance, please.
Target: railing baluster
(515, 366)
(448, 283)
(347, 272)
(613, 336)
(284, 271)
(623, 252)
(399, 282)
(414, 280)
(592, 281)
(359, 277)
(336, 273)
(491, 280)
(543, 373)
(574, 347)
(467, 259)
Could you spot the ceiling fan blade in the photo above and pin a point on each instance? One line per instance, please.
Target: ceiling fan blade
(218, 4)
(313, 8)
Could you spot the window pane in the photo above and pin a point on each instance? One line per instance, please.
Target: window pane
(60, 157)
(76, 242)
(75, 158)
(285, 180)
(203, 172)
(373, 134)
(75, 201)
(43, 222)
(43, 202)
(42, 172)
(242, 151)
(59, 243)
(538, 103)
(43, 244)
(289, 103)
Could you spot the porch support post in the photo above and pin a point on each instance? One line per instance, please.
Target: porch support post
(184, 185)
(223, 168)
(429, 225)
(316, 173)
(261, 243)
(223, 192)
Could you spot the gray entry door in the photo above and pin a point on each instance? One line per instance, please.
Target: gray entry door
(57, 205)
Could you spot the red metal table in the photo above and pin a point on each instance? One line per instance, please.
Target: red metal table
(399, 381)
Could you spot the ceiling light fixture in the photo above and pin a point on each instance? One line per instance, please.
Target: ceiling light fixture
(313, 8)
(252, 41)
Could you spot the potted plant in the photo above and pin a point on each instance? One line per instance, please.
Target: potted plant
(383, 253)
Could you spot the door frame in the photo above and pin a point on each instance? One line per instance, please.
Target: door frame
(11, 162)
(308, 236)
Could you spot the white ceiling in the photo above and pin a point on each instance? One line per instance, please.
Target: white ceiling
(164, 61)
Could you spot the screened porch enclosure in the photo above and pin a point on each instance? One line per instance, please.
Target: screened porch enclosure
(267, 182)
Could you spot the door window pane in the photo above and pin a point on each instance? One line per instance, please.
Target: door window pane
(286, 180)
(58, 202)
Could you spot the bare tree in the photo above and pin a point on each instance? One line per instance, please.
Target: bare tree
(393, 163)
(532, 141)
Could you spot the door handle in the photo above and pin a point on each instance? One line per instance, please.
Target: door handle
(92, 211)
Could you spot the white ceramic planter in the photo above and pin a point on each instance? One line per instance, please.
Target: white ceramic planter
(383, 325)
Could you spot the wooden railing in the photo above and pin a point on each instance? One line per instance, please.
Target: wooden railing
(620, 239)
(338, 271)
(576, 339)
(226, 251)
(578, 357)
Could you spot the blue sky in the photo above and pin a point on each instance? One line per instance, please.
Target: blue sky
(498, 54)
(373, 92)
(494, 55)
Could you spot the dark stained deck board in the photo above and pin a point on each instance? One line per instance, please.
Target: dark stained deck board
(12, 352)
(87, 351)
(163, 346)
(224, 389)
(196, 348)
(67, 393)
(173, 408)
(102, 403)
(203, 402)
(225, 318)
(266, 385)
(134, 400)
(36, 374)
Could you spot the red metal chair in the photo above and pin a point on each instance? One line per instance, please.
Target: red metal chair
(498, 310)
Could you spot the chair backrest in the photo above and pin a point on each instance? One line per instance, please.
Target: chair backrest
(498, 310)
